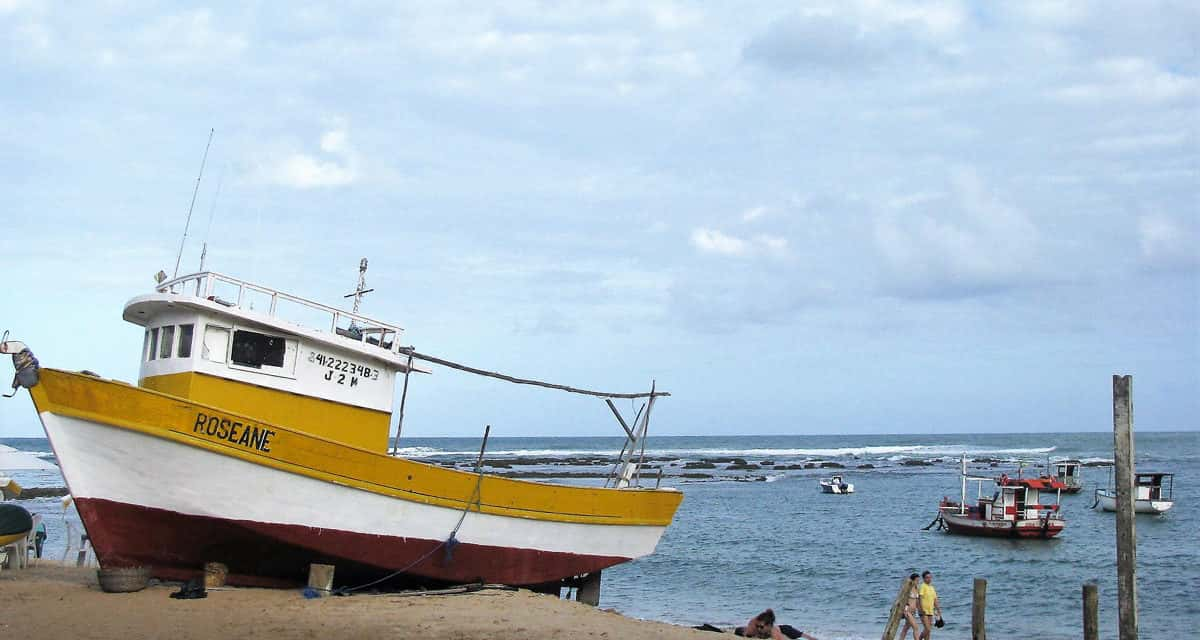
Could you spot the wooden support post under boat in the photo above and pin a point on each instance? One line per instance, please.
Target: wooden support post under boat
(1091, 623)
(588, 591)
(82, 558)
(897, 614)
(215, 574)
(320, 579)
(1123, 455)
(978, 609)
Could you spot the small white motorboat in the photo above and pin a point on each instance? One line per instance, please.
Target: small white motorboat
(1153, 493)
(836, 484)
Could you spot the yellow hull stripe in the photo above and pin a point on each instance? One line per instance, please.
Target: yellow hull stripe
(365, 428)
(223, 432)
(12, 537)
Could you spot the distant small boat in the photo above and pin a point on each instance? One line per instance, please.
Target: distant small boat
(1153, 493)
(1069, 473)
(836, 484)
(1014, 511)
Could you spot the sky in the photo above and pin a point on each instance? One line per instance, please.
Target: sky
(844, 217)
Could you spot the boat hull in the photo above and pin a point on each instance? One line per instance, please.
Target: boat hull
(829, 488)
(1108, 502)
(961, 524)
(153, 498)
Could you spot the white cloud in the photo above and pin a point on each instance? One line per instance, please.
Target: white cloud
(776, 245)
(12, 6)
(334, 141)
(1131, 79)
(338, 166)
(305, 172)
(842, 35)
(754, 213)
(713, 241)
(971, 245)
(188, 37)
(1124, 144)
(1166, 243)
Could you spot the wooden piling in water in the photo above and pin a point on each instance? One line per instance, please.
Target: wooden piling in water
(897, 613)
(978, 609)
(588, 591)
(1123, 456)
(320, 579)
(1091, 620)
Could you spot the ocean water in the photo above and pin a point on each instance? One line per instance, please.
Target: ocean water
(749, 538)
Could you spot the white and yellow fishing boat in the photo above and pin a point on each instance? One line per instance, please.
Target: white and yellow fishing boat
(260, 442)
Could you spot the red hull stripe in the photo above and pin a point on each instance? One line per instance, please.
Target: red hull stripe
(176, 546)
(1006, 532)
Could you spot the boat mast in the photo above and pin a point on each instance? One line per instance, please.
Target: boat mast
(357, 294)
(360, 290)
(962, 504)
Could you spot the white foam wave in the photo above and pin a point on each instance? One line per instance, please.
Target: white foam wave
(519, 453)
(896, 452)
(417, 452)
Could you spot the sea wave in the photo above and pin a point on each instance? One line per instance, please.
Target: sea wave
(898, 451)
(889, 452)
(418, 452)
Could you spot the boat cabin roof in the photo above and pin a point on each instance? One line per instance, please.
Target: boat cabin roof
(1041, 484)
(230, 297)
(1151, 477)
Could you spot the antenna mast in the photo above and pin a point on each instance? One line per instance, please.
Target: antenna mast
(361, 290)
(193, 205)
(211, 211)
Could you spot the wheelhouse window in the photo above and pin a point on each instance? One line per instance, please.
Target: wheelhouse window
(252, 349)
(168, 341)
(153, 343)
(185, 341)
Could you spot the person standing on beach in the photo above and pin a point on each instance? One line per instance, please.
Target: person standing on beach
(911, 608)
(929, 604)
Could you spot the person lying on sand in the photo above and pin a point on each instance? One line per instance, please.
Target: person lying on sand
(763, 626)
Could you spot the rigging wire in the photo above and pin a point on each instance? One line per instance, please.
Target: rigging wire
(192, 206)
(536, 383)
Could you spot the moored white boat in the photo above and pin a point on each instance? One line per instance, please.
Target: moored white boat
(1154, 493)
(261, 443)
(836, 484)
(1067, 472)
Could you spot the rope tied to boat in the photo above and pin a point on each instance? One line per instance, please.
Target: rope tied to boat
(447, 545)
(25, 365)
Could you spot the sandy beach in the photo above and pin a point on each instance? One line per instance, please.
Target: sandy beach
(54, 601)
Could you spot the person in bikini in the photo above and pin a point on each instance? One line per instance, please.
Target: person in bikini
(910, 608)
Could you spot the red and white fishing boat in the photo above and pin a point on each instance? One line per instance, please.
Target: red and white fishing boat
(1015, 510)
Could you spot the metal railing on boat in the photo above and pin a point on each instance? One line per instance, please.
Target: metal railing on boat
(361, 328)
